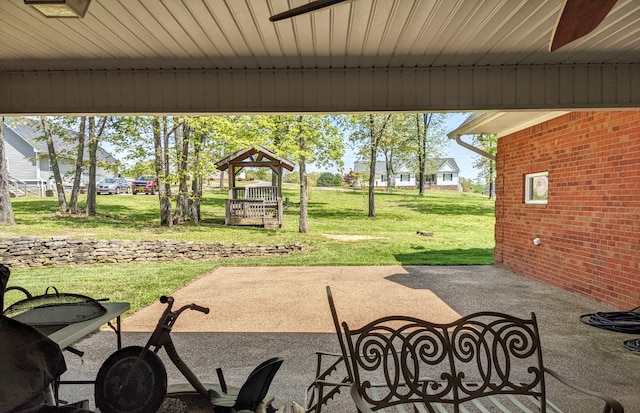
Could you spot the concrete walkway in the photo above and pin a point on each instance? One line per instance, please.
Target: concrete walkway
(261, 312)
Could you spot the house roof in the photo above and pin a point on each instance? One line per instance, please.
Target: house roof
(28, 130)
(451, 162)
(226, 54)
(381, 166)
(254, 156)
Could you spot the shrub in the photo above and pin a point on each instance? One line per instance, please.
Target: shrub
(329, 179)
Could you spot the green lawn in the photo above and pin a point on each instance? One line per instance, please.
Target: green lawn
(462, 227)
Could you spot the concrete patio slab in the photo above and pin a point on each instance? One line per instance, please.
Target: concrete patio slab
(261, 312)
(293, 300)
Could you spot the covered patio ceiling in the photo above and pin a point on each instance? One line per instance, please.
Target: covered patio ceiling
(225, 56)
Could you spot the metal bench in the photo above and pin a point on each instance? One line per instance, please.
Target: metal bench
(484, 362)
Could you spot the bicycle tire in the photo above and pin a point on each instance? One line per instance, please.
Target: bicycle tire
(146, 389)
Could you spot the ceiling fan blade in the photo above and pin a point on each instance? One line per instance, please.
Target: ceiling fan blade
(578, 18)
(307, 8)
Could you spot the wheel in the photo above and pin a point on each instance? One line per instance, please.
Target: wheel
(145, 390)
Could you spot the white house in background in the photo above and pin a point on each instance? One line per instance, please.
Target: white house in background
(27, 159)
(445, 176)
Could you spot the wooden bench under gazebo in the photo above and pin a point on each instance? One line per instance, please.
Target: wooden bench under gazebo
(258, 205)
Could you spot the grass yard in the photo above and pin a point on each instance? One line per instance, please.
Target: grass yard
(340, 233)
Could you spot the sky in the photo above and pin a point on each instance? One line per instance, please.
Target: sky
(463, 157)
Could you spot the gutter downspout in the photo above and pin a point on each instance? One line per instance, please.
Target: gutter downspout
(472, 148)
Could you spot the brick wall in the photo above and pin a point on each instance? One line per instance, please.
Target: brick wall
(590, 228)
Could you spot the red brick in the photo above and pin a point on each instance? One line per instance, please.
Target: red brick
(590, 228)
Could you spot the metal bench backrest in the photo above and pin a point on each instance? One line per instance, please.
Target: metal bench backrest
(483, 354)
(341, 341)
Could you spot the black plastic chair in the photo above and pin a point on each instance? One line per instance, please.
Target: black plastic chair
(253, 391)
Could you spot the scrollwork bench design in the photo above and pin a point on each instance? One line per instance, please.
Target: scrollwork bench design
(484, 362)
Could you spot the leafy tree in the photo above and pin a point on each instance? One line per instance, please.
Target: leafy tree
(327, 179)
(307, 139)
(478, 188)
(48, 129)
(181, 151)
(199, 165)
(312, 179)
(163, 128)
(429, 139)
(6, 211)
(291, 178)
(351, 178)
(368, 131)
(337, 180)
(486, 166)
(396, 146)
(467, 185)
(142, 167)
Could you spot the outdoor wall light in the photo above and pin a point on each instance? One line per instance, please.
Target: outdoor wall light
(60, 8)
(537, 241)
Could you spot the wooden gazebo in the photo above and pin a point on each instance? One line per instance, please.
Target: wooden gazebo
(254, 205)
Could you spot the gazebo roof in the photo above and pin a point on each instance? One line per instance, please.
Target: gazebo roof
(256, 156)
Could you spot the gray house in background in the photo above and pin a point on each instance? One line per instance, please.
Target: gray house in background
(28, 164)
(445, 175)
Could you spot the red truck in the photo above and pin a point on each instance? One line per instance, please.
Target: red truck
(147, 184)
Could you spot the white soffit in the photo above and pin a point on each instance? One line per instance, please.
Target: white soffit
(503, 123)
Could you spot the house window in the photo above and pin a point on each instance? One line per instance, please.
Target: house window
(430, 179)
(405, 178)
(383, 178)
(536, 188)
(447, 177)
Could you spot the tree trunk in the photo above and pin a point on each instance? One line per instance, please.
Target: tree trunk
(53, 163)
(184, 173)
(182, 153)
(389, 172)
(163, 193)
(195, 201)
(73, 208)
(6, 211)
(304, 189)
(372, 167)
(422, 151)
(94, 139)
(196, 183)
(422, 161)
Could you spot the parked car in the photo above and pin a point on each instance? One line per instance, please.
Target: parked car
(147, 184)
(113, 186)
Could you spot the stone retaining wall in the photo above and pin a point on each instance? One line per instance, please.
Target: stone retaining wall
(33, 252)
